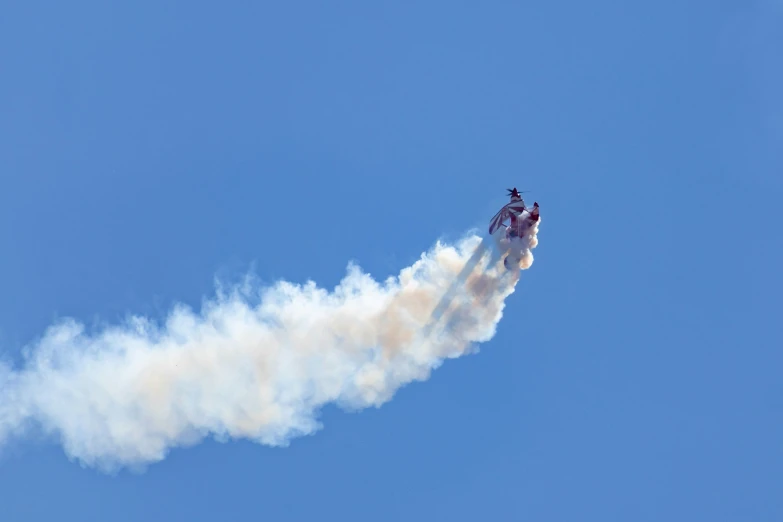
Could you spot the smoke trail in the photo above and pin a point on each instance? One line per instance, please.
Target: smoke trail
(255, 363)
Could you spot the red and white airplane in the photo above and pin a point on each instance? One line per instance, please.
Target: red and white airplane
(522, 219)
(520, 216)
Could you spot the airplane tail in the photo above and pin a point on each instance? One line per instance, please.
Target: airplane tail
(534, 212)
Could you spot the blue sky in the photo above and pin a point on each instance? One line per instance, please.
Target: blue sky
(635, 375)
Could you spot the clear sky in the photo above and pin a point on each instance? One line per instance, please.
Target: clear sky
(636, 373)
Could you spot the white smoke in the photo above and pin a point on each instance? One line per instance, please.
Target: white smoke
(255, 363)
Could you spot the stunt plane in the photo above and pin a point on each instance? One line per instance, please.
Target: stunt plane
(514, 242)
(521, 219)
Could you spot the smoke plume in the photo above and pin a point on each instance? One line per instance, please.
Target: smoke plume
(255, 363)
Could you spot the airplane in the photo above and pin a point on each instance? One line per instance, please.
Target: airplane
(521, 220)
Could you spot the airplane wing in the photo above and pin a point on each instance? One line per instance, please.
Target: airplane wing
(516, 207)
(498, 220)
